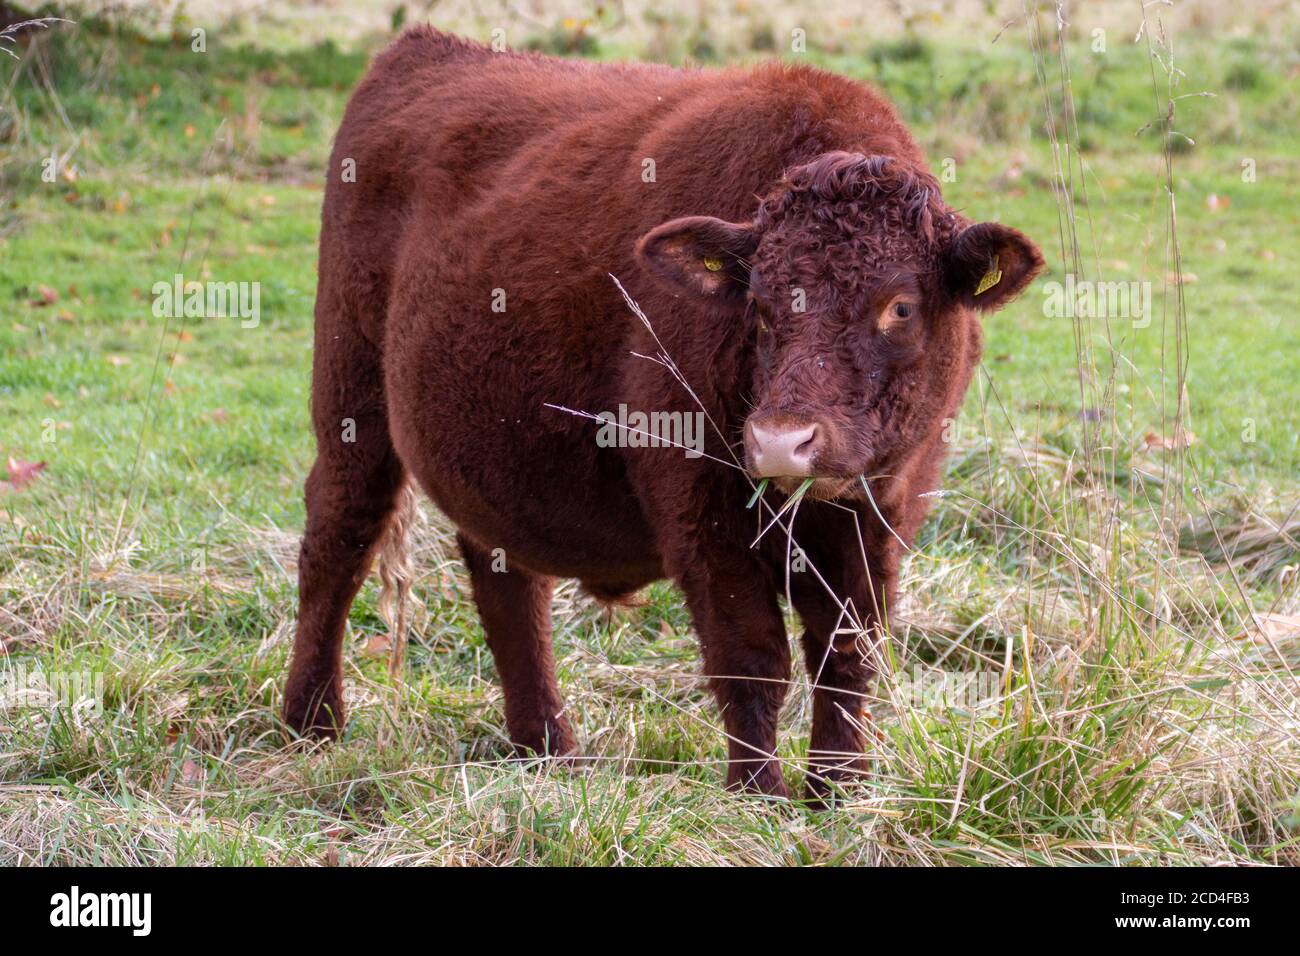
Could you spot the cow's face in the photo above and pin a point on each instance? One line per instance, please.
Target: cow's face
(859, 288)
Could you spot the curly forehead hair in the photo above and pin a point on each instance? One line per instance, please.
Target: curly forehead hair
(843, 189)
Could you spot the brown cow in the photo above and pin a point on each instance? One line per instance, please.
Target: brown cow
(805, 286)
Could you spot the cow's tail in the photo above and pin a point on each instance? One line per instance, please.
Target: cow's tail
(395, 575)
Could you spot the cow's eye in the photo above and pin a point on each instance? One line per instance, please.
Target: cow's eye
(896, 313)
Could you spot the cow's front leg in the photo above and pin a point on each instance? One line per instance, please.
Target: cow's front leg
(843, 614)
(840, 672)
(746, 658)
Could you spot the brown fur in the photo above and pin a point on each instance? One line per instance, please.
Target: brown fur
(478, 171)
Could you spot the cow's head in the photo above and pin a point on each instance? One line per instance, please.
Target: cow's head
(860, 287)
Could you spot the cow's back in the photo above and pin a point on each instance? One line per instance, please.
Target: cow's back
(445, 135)
(438, 122)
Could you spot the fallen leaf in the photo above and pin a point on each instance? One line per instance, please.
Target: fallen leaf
(378, 646)
(23, 473)
(117, 361)
(192, 774)
(1217, 203)
(44, 296)
(1274, 627)
(1182, 439)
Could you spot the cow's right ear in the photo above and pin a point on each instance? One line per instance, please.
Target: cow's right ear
(700, 255)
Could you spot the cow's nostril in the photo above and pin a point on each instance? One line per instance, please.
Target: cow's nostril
(809, 447)
(784, 452)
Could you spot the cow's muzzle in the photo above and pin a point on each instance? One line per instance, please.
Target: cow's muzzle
(785, 447)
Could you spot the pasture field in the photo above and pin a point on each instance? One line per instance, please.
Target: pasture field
(1115, 558)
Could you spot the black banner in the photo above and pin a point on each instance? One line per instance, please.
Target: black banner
(216, 906)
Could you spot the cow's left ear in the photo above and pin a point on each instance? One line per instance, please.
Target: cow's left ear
(700, 255)
(988, 265)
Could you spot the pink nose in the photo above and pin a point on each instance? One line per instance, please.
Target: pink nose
(784, 451)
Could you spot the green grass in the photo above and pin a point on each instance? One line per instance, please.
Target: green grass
(158, 546)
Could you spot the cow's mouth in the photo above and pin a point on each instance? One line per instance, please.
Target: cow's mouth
(821, 489)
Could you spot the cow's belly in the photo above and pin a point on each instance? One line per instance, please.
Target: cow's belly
(512, 473)
(556, 524)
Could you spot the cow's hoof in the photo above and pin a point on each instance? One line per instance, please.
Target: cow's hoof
(554, 740)
(765, 782)
(318, 716)
(825, 786)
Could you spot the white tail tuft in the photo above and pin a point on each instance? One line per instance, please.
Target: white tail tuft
(395, 575)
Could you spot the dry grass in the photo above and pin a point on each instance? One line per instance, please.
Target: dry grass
(1151, 737)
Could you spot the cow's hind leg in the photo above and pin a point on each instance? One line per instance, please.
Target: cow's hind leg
(350, 497)
(515, 608)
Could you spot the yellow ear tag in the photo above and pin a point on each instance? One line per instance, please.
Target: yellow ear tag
(712, 264)
(991, 278)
